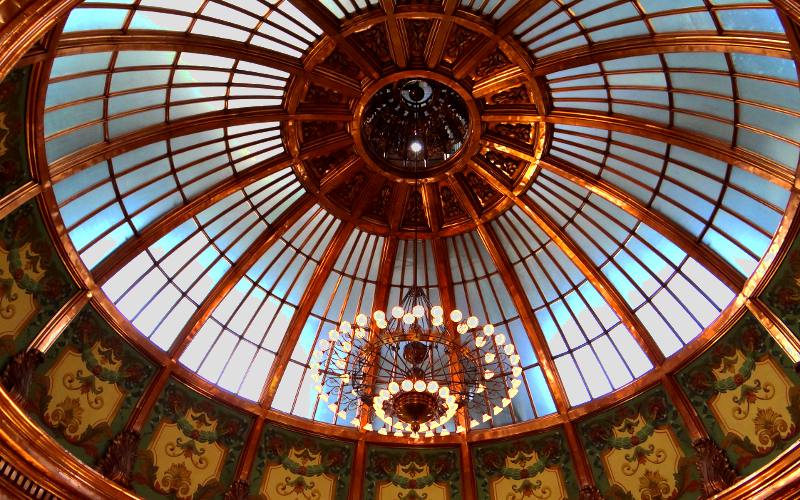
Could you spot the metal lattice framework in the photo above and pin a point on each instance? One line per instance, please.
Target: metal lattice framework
(575, 176)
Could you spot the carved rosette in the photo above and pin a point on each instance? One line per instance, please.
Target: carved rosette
(713, 467)
(117, 464)
(17, 376)
(239, 490)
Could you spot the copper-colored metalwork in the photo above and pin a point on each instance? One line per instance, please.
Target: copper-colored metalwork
(19, 197)
(661, 44)
(295, 327)
(51, 331)
(714, 148)
(446, 19)
(710, 259)
(235, 273)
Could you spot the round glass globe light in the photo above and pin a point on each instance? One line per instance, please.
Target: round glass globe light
(397, 312)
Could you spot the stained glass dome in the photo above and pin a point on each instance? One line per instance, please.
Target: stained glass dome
(621, 183)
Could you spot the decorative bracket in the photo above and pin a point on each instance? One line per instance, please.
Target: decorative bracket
(239, 490)
(17, 376)
(590, 493)
(713, 466)
(117, 464)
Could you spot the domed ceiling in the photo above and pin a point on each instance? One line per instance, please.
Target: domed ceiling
(599, 179)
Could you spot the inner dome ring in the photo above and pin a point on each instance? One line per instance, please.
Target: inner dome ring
(433, 173)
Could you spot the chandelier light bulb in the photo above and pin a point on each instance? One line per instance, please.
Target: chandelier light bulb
(333, 408)
(499, 339)
(508, 349)
(382, 324)
(409, 319)
(360, 333)
(420, 386)
(433, 387)
(516, 371)
(367, 427)
(516, 383)
(513, 391)
(506, 401)
(480, 389)
(437, 321)
(488, 374)
(345, 327)
(462, 328)
(397, 312)
(480, 342)
(347, 346)
(429, 434)
(497, 410)
(514, 359)
(407, 385)
(488, 329)
(490, 357)
(472, 322)
(324, 344)
(361, 320)
(394, 387)
(333, 335)
(455, 316)
(384, 394)
(379, 315)
(437, 311)
(381, 431)
(444, 392)
(418, 311)
(416, 146)
(444, 432)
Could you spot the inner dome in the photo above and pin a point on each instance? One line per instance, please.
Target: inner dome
(415, 125)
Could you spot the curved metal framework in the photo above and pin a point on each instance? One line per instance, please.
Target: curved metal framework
(573, 198)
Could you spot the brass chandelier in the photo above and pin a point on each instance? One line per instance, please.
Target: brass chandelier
(415, 368)
(413, 372)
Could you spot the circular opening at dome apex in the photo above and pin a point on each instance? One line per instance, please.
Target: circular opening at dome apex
(414, 125)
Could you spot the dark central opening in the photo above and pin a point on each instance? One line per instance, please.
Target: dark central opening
(415, 125)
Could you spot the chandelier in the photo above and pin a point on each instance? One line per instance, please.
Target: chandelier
(413, 371)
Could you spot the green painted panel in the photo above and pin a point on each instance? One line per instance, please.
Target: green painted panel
(747, 394)
(14, 171)
(295, 465)
(34, 284)
(189, 446)
(641, 449)
(88, 385)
